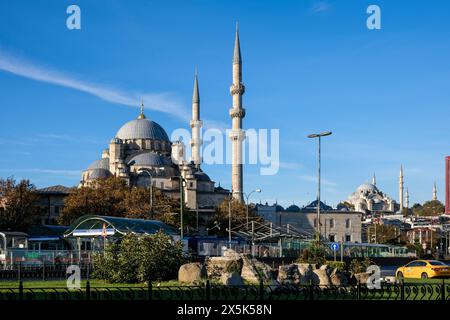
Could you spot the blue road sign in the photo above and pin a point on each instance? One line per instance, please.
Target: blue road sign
(334, 246)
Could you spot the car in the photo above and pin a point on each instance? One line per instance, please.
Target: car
(423, 269)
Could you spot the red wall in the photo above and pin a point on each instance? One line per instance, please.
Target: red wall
(447, 185)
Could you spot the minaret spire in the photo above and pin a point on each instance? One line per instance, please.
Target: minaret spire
(237, 47)
(400, 188)
(237, 113)
(434, 192)
(374, 180)
(196, 124)
(142, 115)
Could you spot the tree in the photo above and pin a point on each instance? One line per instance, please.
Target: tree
(429, 208)
(406, 212)
(385, 234)
(238, 215)
(138, 259)
(104, 197)
(346, 204)
(113, 197)
(315, 254)
(18, 205)
(161, 258)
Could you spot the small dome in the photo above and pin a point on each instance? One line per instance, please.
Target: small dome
(142, 129)
(100, 164)
(293, 208)
(149, 159)
(279, 208)
(201, 176)
(313, 205)
(99, 174)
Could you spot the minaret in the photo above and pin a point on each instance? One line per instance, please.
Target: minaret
(237, 113)
(374, 180)
(196, 125)
(400, 188)
(435, 192)
(407, 199)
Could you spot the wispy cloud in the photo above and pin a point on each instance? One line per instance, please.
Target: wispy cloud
(325, 182)
(320, 6)
(162, 102)
(290, 165)
(45, 171)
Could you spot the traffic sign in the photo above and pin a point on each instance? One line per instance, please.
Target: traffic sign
(334, 246)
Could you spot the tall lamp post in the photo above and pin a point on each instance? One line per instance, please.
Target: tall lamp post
(181, 207)
(247, 196)
(319, 136)
(147, 171)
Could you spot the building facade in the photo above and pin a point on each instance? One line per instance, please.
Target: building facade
(335, 225)
(51, 201)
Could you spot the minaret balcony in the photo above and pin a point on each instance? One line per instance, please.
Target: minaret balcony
(237, 113)
(196, 142)
(196, 123)
(237, 135)
(237, 89)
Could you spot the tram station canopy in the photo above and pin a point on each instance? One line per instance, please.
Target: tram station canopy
(93, 225)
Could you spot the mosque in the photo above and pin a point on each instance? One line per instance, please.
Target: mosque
(142, 154)
(368, 198)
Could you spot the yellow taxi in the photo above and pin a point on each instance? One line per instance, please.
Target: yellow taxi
(423, 269)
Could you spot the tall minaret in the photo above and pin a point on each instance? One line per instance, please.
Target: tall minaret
(374, 180)
(434, 192)
(237, 113)
(400, 188)
(407, 199)
(196, 125)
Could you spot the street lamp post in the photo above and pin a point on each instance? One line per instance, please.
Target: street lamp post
(246, 203)
(319, 135)
(147, 171)
(181, 207)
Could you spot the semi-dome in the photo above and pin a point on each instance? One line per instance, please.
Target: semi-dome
(149, 159)
(100, 164)
(142, 128)
(99, 174)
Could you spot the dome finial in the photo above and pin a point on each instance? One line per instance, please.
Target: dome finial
(142, 115)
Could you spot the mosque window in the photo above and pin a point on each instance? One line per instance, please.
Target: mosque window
(348, 223)
(315, 223)
(348, 238)
(332, 237)
(331, 223)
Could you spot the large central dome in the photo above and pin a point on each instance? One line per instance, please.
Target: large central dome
(142, 128)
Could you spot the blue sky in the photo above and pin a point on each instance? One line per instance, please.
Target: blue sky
(309, 66)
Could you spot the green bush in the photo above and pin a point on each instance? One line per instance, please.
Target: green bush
(139, 258)
(160, 258)
(357, 266)
(341, 266)
(315, 254)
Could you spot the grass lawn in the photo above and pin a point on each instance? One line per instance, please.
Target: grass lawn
(62, 284)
